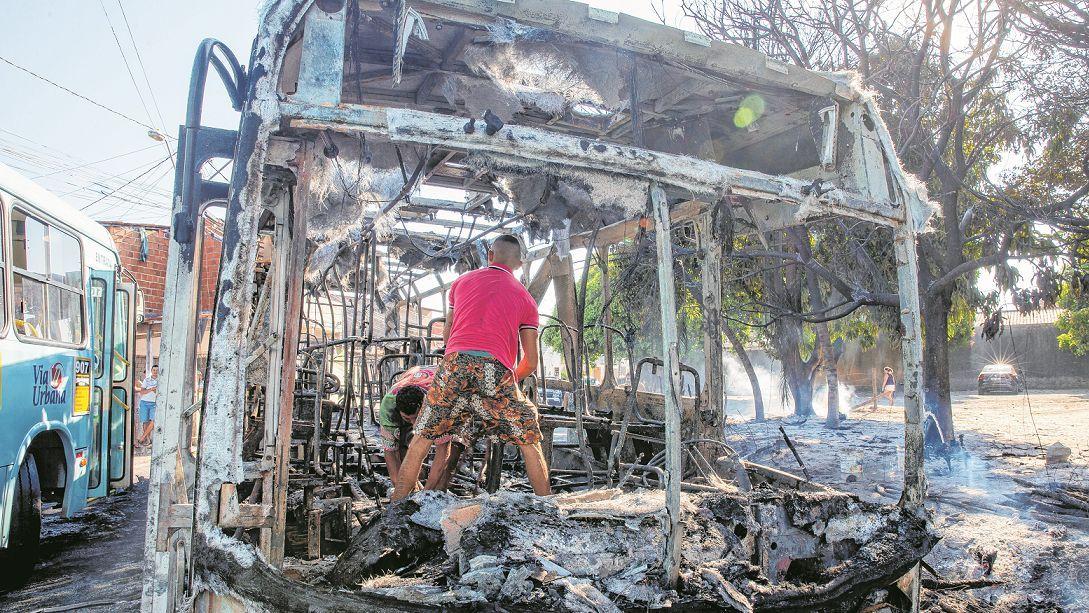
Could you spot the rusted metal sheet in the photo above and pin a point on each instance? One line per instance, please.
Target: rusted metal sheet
(320, 72)
(712, 243)
(629, 33)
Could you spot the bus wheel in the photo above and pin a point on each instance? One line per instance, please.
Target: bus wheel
(18, 560)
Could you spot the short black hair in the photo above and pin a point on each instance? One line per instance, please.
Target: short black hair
(509, 238)
(409, 400)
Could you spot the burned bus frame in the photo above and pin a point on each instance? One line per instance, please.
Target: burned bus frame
(193, 498)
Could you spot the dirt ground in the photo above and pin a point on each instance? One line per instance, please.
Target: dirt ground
(94, 561)
(977, 507)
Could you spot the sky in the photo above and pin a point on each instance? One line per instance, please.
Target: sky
(95, 159)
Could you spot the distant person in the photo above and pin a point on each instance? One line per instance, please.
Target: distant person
(888, 390)
(399, 409)
(888, 385)
(491, 313)
(148, 389)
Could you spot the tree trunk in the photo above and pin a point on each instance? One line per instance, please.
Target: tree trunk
(746, 363)
(801, 389)
(796, 371)
(936, 396)
(827, 356)
(831, 374)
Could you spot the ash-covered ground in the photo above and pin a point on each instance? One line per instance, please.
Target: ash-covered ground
(981, 499)
(94, 561)
(978, 508)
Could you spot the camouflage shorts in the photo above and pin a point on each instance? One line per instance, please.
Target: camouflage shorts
(470, 388)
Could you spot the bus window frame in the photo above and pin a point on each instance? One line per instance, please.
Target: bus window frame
(5, 267)
(118, 305)
(25, 208)
(99, 334)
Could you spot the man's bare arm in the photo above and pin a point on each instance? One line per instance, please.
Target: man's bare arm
(446, 327)
(528, 337)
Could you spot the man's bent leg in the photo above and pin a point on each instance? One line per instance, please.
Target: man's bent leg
(436, 476)
(393, 463)
(451, 466)
(536, 469)
(410, 467)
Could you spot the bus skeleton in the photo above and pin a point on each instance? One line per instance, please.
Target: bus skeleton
(346, 109)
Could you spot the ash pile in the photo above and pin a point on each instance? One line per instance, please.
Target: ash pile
(601, 550)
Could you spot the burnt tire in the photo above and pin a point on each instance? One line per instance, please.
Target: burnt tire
(18, 560)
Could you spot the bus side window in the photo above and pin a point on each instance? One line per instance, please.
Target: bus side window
(28, 253)
(47, 267)
(98, 324)
(29, 306)
(65, 300)
(120, 337)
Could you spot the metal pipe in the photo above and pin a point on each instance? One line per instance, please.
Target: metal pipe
(234, 81)
(618, 443)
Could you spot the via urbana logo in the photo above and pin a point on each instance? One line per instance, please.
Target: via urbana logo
(49, 385)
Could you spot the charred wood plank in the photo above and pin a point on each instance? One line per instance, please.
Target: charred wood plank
(956, 585)
(252, 579)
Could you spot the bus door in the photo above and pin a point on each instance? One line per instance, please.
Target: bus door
(122, 405)
(101, 299)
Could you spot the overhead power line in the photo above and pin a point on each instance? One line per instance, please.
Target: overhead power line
(125, 61)
(140, 61)
(48, 161)
(126, 184)
(132, 76)
(81, 96)
(103, 182)
(86, 164)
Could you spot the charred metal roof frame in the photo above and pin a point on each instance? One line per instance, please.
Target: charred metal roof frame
(551, 105)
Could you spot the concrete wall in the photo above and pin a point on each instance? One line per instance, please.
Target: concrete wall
(1028, 343)
(1032, 348)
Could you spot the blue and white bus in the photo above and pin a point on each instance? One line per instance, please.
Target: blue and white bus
(66, 373)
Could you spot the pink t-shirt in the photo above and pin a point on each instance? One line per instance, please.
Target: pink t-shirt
(489, 307)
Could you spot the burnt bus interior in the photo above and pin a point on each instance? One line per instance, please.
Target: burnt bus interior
(381, 146)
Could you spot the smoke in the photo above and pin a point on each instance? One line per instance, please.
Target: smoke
(846, 399)
(740, 403)
(739, 392)
(777, 402)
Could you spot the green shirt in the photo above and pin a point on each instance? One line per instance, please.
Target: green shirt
(388, 417)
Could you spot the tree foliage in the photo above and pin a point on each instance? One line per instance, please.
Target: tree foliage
(963, 87)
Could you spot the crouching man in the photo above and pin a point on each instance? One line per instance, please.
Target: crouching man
(398, 412)
(490, 314)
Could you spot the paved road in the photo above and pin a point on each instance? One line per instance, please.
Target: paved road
(92, 562)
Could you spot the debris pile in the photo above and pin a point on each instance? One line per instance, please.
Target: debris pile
(601, 550)
(1058, 499)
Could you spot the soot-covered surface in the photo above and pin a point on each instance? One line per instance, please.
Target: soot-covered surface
(602, 549)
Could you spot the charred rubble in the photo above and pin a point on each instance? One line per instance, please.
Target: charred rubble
(767, 549)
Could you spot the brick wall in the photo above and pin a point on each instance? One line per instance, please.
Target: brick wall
(211, 252)
(150, 273)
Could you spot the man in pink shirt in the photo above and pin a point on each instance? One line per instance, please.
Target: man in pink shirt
(491, 313)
